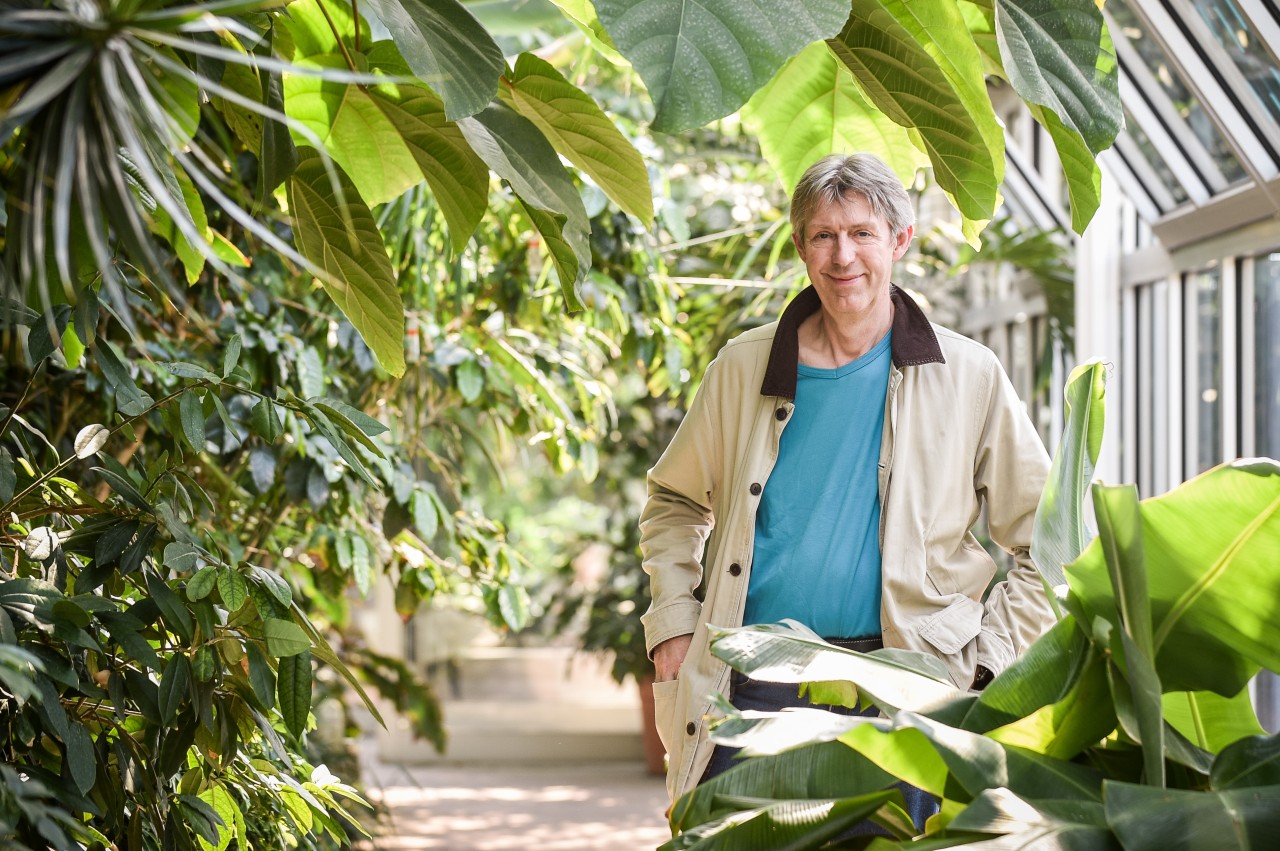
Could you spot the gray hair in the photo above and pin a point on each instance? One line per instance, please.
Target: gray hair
(834, 178)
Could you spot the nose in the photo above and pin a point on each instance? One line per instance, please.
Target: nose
(844, 249)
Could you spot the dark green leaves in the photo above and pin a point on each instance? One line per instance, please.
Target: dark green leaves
(1146, 819)
(175, 686)
(232, 588)
(1254, 761)
(191, 412)
(447, 49)
(293, 688)
(517, 152)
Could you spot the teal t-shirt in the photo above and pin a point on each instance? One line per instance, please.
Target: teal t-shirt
(817, 545)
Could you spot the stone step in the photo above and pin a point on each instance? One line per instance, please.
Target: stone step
(522, 733)
(525, 705)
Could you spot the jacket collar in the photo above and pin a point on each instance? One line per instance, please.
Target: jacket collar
(913, 342)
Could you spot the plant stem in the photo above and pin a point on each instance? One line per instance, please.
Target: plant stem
(355, 18)
(334, 29)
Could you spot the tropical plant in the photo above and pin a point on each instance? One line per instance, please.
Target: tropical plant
(126, 121)
(158, 680)
(905, 80)
(1127, 725)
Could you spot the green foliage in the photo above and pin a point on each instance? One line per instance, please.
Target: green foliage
(921, 66)
(703, 62)
(1082, 742)
(173, 95)
(136, 645)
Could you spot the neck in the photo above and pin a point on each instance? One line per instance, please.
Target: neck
(829, 342)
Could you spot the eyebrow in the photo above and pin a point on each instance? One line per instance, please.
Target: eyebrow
(816, 225)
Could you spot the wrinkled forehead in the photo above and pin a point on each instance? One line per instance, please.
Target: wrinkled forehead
(845, 209)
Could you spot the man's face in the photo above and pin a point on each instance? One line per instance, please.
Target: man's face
(849, 253)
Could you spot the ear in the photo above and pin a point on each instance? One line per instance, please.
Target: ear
(902, 241)
(799, 244)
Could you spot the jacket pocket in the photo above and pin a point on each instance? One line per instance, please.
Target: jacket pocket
(664, 710)
(955, 626)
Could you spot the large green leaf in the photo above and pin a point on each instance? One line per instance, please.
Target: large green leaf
(789, 653)
(1039, 677)
(828, 769)
(701, 61)
(583, 14)
(1120, 534)
(577, 128)
(782, 825)
(813, 107)
(1253, 761)
(284, 638)
(447, 49)
(918, 65)
(978, 763)
(1084, 177)
(340, 236)
(1211, 721)
(1074, 825)
(515, 149)
(771, 733)
(1060, 533)
(1215, 594)
(355, 131)
(564, 254)
(1059, 57)
(1058, 54)
(1079, 720)
(1147, 819)
(458, 178)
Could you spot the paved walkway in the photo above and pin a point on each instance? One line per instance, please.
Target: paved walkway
(582, 807)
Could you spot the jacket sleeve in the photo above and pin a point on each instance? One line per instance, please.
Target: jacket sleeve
(1010, 471)
(677, 517)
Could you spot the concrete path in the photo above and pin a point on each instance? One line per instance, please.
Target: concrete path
(580, 807)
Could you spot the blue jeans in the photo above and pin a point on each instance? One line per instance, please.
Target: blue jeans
(745, 693)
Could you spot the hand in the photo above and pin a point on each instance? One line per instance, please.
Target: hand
(669, 656)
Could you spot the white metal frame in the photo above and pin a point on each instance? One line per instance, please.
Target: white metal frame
(1231, 75)
(1203, 83)
(1248, 357)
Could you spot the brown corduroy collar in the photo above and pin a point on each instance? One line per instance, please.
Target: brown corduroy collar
(913, 342)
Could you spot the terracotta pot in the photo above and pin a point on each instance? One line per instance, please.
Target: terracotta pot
(655, 755)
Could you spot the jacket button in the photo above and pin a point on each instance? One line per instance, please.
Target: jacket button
(735, 569)
(755, 488)
(690, 729)
(781, 413)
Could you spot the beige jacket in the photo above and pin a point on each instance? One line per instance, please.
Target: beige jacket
(956, 437)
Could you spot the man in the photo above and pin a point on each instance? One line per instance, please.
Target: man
(841, 455)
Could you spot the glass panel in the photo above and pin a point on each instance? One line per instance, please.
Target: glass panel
(1153, 388)
(1234, 32)
(1266, 317)
(1153, 158)
(1207, 403)
(1187, 105)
